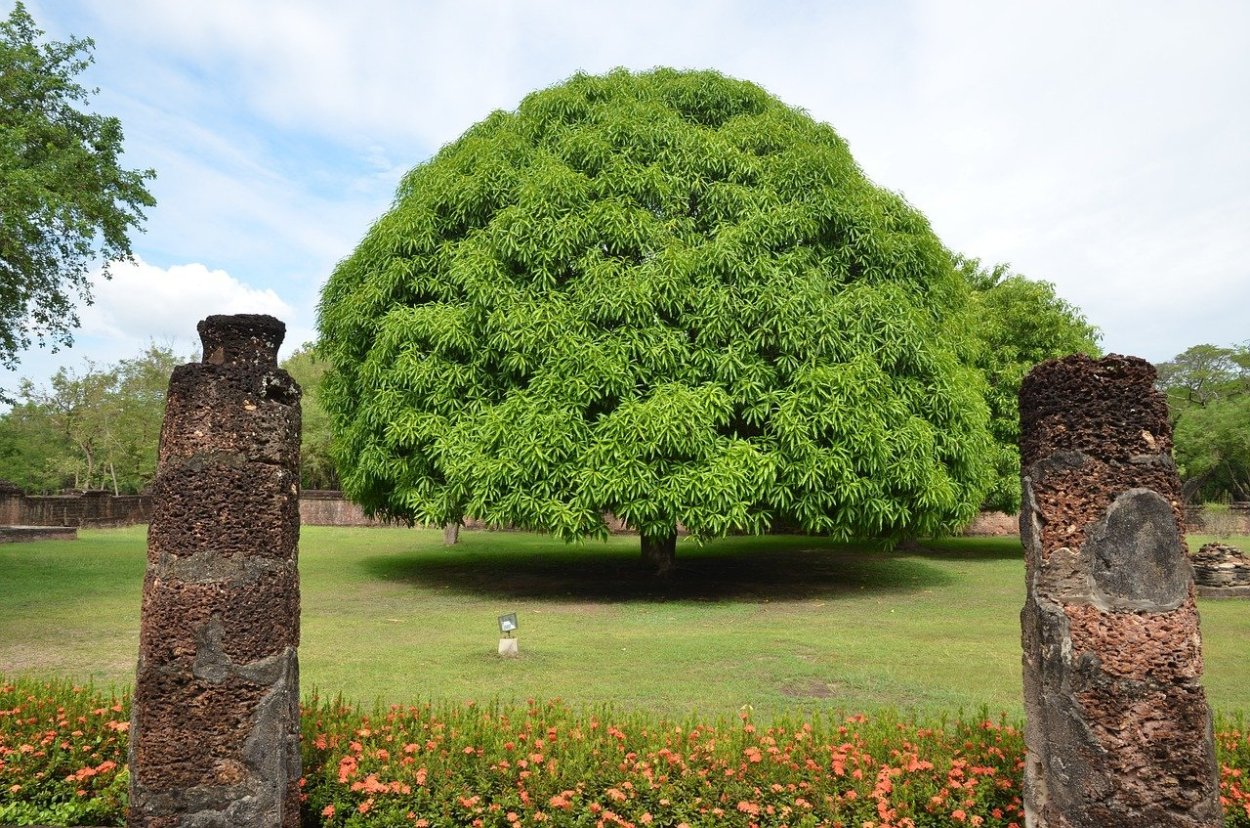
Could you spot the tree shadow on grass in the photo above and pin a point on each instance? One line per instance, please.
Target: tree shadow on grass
(731, 569)
(1002, 548)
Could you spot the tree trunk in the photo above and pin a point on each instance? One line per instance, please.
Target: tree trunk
(659, 552)
(90, 468)
(451, 533)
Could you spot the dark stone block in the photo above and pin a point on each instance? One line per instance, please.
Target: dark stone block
(194, 730)
(228, 410)
(241, 339)
(1107, 408)
(183, 621)
(1138, 557)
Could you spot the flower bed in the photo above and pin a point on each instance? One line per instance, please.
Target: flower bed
(63, 753)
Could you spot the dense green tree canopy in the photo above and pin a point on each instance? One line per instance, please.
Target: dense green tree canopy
(1020, 322)
(65, 201)
(667, 295)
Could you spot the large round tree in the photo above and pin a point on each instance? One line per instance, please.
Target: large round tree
(665, 295)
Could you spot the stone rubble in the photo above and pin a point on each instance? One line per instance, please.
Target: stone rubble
(1221, 571)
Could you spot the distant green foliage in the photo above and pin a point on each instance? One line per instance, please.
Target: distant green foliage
(668, 295)
(316, 465)
(94, 428)
(65, 201)
(1208, 390)
(1020, 323)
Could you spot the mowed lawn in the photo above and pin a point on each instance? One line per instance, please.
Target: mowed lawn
(777, 623)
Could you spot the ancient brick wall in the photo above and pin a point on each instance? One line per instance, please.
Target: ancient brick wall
(1221, 571)
(323, 507)
(1118, 727)
(10, 504)
(215, 723)
(86, 509)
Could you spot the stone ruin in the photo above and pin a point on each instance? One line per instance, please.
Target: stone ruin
(215, 723)
(1221, 571)
(1118, 728)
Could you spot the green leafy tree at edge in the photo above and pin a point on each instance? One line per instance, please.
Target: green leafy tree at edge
(65, 200)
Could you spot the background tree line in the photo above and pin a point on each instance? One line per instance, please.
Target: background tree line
(97, 427)
(1208, 390)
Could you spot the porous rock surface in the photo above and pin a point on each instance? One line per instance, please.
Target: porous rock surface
(1118, 726)
(215, 722)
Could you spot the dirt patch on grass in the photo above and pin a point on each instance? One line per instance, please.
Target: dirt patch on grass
(17, 659)
(810, 689)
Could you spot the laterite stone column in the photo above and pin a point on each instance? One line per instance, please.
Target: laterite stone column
(215, 726)
(1118, 730)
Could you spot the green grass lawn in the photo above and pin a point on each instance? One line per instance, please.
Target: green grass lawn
(778, 623)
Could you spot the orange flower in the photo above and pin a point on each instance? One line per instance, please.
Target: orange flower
(328, 811)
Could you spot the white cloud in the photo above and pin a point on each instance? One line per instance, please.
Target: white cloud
(143, 302)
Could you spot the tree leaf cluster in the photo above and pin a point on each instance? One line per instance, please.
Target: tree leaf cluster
(667, 295)
(65, 199)
(1208, 389)
(1018, 322)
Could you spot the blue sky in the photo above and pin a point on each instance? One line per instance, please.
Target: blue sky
(1102, 146)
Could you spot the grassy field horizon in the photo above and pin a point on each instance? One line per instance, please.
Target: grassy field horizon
(779, 624)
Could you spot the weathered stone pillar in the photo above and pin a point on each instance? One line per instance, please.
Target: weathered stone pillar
(215, 724)
(1118, 729)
